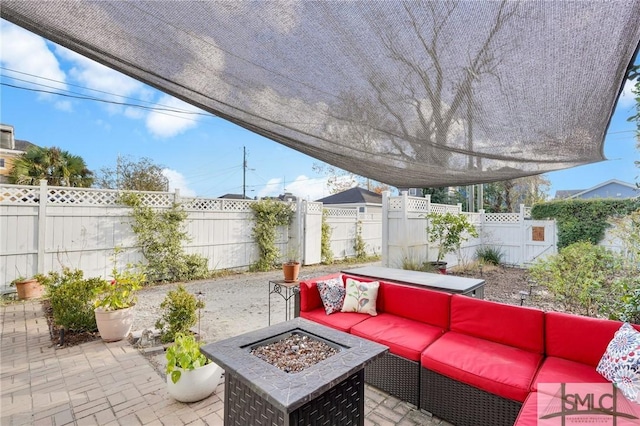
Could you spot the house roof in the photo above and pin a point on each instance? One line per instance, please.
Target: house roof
(566, 193)
(354, 195)
(600, 185)
(22, 145)
(235, 197)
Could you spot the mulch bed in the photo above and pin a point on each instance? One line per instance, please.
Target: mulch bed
(70, 337)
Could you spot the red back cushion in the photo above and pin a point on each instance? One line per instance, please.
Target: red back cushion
(309, 294)
(578, 338)
(420, 304)
(516, 326)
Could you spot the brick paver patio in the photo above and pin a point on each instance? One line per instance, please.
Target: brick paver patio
(100, 383)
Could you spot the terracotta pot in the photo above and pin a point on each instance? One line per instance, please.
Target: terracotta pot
(195, 385)
(291, 271)
(29, 289)
(440, 266)
(114, 325)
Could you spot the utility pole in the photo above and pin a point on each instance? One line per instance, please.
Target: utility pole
(244, 172)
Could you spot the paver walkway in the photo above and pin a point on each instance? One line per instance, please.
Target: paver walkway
(101, 383)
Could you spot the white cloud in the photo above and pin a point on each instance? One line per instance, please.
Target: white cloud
(302, 187)
(178, 181)
(166, 124)
(28, 53)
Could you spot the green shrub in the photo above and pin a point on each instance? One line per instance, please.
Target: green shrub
(490, 255)
(71, 298)
(179, 313)
(583, 220)
(581, 277)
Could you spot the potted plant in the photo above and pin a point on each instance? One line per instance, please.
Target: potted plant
(114, 302)
(27, 288)
(191, 376)
(291, 265)
(449, 231)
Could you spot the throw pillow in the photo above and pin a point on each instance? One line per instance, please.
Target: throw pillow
(361, 297)
(332, 294)
(620, 363)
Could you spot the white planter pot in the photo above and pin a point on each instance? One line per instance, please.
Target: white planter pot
(195, 385)
(114, 325)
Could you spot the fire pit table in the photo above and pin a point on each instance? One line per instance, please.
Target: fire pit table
(330, 392)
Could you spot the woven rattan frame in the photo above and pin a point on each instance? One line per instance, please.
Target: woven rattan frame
(395, 375)
(342, 405)
(464, 405)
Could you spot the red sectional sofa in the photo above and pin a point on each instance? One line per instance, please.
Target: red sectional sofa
(468, 361)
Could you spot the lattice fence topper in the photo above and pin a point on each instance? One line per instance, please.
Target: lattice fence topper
(410, 93)
(502, 217)
(19, 195)
(339, 212)
(418, 204)
(314, 208)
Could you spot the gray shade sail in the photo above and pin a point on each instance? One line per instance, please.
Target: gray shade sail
(411, 94)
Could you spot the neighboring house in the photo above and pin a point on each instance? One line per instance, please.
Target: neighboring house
(10, 148)
(365, 201)
(235, 197)
(612, 188)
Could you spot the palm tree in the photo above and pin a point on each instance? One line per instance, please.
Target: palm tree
(58, 167)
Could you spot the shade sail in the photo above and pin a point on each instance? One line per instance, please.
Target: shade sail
(411, 94)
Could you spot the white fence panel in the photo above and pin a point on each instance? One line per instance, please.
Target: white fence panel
(405, 238)
(345, 224)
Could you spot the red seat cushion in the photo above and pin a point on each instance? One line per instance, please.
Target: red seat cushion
(499, 369)
(342, 321)
(559, 370)
(404, 337)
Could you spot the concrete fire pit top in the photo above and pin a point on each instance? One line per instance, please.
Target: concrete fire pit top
(289, 391)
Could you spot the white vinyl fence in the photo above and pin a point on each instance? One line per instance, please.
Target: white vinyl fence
(46, 228)
(346, 224)
(404, 234)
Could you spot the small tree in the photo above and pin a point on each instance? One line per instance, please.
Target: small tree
(449, 231)
(178, 313)
(132, 175)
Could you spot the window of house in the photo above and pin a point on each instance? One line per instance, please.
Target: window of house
(1, 163)
(362, 209)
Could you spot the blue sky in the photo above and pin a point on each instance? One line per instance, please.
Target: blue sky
(202, 153)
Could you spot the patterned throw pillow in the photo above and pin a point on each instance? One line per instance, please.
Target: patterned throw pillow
(361, 297)
(620, 363)
(332, 294)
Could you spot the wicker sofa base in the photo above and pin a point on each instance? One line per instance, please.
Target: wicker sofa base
(464, 405)
(342, 405)
(395, 375)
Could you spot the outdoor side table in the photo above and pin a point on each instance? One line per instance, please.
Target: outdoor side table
(288, 291)
(330, 392)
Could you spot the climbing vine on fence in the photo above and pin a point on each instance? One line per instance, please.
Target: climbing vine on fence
(161, 234)
(359, 245)
(583, 220)
(269, 215)
(326, 254)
